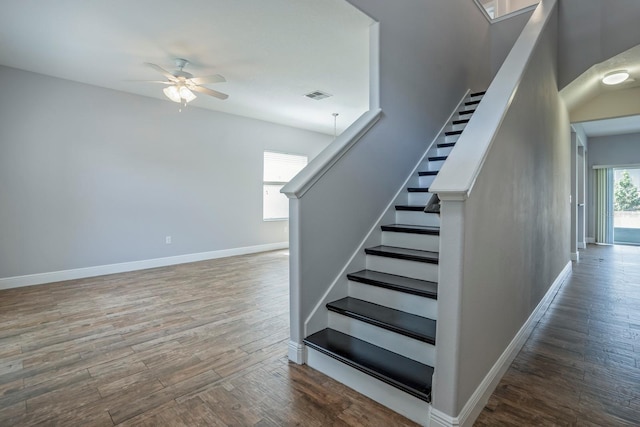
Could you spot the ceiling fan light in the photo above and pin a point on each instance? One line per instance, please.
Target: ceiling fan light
(172, 93)
(615, 77)
(186, 94)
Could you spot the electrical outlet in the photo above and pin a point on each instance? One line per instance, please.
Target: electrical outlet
(167, 240)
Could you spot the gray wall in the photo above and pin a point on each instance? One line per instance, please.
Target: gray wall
(592, 31)
(517, 219)
(431, 52)
(90, 176)
(615, 150)
(503, 35)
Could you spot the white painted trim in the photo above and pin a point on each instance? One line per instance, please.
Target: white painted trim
(375, 227)
(575, 256)
(297, 352)
(506, 16)
(480, 397)
(459, 173)
(591, 239)
(101, 270)
(582, 245)
(625, 166)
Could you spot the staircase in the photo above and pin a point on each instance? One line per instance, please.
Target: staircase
(386, 326)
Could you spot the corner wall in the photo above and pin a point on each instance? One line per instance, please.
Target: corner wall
(421, 79)
(517, 220)
(91, 176)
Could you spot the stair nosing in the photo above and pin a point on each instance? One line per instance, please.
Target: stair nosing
(428, 173)
(446, 144)
(397, 255)
(466, 112)
(410, 208)
(394, 286)
(453, 133)
(418, 189)
(381, 323)
(460, 122)
(394, 382)
(437, 158)
(411, 229)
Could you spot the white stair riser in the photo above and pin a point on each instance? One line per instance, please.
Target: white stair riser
(423, 242)
(425, 181)
(401, 267)
(397, 343)
(458, 126)
(417, 218)
(397, 400)
(444, 151)
(414, 304)
(435, 165)
(419, 198)
(451, 138)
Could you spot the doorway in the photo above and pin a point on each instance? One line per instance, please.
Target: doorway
(626, 206)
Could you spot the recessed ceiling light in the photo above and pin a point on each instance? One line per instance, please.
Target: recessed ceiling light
(615, 77)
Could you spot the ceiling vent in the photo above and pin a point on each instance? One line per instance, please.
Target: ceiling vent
(317, 95)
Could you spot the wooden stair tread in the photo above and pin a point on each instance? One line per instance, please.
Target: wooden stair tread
(400, 322)
(403, 253)
(478, 93)
(411, 208)
(472, 102)
(461, 122)
(428, 173)
(413, 229)
(446, 144)
(418, 189)
(464, 113)
(394, 282)
(453, 132)
(398, 371)
(437, 158)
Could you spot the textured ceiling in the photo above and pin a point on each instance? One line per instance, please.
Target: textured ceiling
(271, 52)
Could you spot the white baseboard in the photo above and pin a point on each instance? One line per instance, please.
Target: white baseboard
(575, 256)
(297, 352)
(591, 239)
(480, 397)
(582, 245)
(100, 270)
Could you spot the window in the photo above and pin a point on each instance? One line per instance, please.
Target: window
(279, 168)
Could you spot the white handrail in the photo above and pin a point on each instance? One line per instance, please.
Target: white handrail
(301, 183)
(459, 173)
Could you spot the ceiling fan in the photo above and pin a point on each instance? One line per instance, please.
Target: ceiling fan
(181, 84)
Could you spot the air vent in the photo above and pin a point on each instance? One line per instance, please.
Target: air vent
(317, 95)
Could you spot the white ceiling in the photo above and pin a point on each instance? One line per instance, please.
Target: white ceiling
(589, 85)
(617, 126)
(271, 52)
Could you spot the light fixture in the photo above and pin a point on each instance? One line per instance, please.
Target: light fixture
(179, 93)
(615, 77)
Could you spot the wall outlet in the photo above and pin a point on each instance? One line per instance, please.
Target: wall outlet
(167, 240)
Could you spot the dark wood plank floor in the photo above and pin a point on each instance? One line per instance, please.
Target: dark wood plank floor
(581, 365)
(196, 344)
(205, 344)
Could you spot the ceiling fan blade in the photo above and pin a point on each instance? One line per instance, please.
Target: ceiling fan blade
(161, 71)
(209, 92)
(164, 82)
(216, 78)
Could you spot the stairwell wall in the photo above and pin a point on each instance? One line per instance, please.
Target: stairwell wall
(430, 54)
(516, 220)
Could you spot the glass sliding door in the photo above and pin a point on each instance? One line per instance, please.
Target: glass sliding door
(626, 206)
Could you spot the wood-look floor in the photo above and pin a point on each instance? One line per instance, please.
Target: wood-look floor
(196, 344)
(581, 365)
(205, 344)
